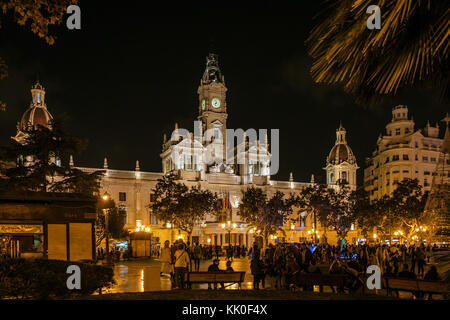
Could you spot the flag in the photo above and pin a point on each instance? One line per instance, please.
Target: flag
(228, 201)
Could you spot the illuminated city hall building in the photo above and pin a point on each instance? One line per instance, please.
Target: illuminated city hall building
(132, 189)
(403, 152)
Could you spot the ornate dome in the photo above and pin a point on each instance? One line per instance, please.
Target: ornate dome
(35, 116)
(341, 152)
(37, 113)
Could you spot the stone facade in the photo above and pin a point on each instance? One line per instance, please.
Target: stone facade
(185, 154)
(402, 153)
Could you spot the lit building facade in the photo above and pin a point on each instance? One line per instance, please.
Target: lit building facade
(403, 152)
(184, 154)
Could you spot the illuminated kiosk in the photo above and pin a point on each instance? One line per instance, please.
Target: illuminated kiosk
(47, 225)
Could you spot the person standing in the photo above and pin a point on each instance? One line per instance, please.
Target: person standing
(413, 259)
(166, 259)
(256, 266)
(181, 264)
(196, 255)
(420, 254)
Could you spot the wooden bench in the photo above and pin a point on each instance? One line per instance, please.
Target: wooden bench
(317, 279)
(214, 277)
(416, 285)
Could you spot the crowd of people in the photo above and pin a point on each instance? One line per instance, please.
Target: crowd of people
(278, 264)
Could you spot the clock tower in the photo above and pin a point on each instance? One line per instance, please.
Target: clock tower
(212, 100)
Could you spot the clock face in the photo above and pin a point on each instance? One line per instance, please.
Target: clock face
(215, 103)
(203, 104)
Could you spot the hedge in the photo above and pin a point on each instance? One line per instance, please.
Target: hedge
(47, 279)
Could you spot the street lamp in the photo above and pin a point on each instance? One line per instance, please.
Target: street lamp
(228, 227)
(107, 197)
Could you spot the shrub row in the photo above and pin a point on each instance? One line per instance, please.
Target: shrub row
(47, 279)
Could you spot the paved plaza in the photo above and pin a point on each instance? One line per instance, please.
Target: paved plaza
(142, 275)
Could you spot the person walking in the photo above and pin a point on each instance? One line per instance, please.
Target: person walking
(166, 259)
(181, 264)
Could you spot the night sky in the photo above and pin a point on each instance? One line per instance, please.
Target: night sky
(133, 70)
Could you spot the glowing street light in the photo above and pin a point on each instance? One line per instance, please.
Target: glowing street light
(229, 226)
(106, 196)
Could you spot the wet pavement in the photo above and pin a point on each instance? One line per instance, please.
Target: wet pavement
(143, 275)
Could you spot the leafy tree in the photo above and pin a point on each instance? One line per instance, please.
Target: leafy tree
(411, 48)
(316, 200)
(410, 204)
(367, 218)
(402, 210)
(36, 168)
(267, 214)
(116, 220)
(342, 213)
(39, 14)
(181, 206)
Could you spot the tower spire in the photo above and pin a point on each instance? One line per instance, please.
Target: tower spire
(212, 72)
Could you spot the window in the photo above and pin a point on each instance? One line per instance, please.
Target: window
(433, 159)
(425, 159)
(417, 144)
(122, 196)
(344, 175)
(405, 157)
(427, 173)
(425, 183)
(417, 157)
(405, 171)
(407, 130)
(395, 157)
(152, 197)
(387, 160)
(152, 217)
(123, 211)
(397, 131)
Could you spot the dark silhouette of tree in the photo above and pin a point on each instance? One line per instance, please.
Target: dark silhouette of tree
(116, 220)
(342, 213)
(266, 214)
(39, 15)
(42, 163)
(402, 210)
(315, 200)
